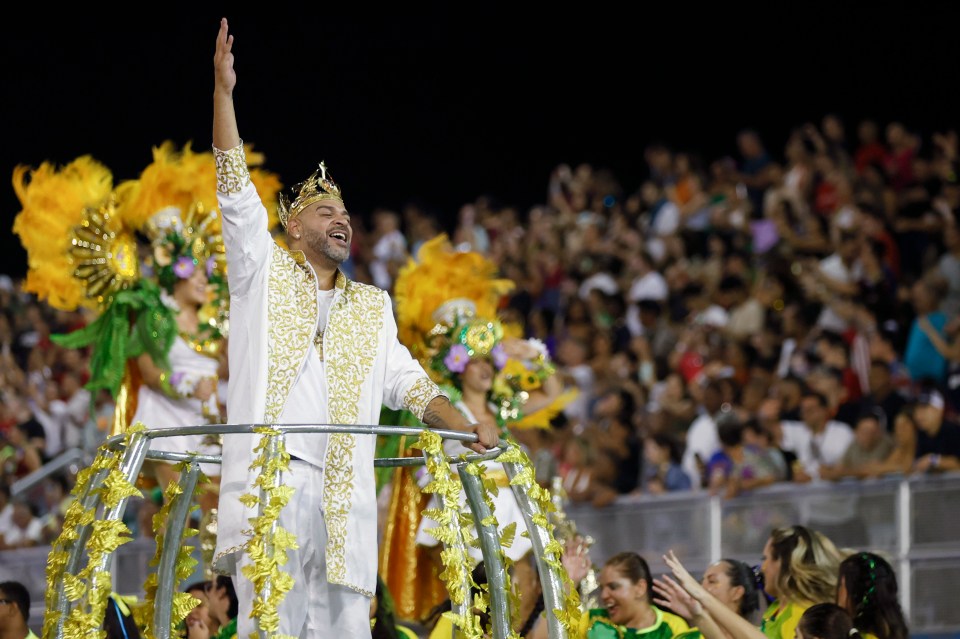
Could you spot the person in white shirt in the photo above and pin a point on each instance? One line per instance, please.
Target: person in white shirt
(51, 412)
(26, 529)
(817, 440)
(820, 443)
(307, 346)
(703, 439)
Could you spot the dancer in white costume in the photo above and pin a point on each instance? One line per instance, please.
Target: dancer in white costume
(447, 303)
(476, 385)
(183, 390)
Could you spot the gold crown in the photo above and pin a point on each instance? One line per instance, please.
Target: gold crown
(318, 186)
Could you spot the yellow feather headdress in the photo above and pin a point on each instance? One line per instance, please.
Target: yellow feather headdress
(53, 201)
(100, 223)
(447, 314)
(439, 284)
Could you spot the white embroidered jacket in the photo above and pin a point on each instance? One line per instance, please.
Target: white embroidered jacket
(273, 318)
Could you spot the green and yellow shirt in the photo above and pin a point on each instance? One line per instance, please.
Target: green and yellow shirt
(595, 624)
(780, 620)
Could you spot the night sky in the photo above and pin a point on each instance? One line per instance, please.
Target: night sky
(422, 104)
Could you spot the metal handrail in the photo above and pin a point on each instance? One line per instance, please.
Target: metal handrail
(139, 451)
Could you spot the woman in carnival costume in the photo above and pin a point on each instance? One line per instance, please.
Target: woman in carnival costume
(447, 304)
(156, 343)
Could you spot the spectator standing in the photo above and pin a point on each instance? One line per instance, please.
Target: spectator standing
(870, 149)
(702, 439)
(753, 169)
(737, 466)
(921, 357)
(817, 440)
(883, 395)
(662, 471)
(389, 248)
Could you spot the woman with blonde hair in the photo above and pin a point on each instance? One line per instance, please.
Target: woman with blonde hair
(799, 570)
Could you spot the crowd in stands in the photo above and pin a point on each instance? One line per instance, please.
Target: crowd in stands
(777, 315)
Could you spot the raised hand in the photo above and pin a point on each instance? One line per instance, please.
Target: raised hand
(226, 77)
(669, 594)
(226, 135)
(686, 580)
(576, 558)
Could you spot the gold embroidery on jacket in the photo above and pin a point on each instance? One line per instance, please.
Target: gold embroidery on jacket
(419, 395)
(352, 336)
(292, 315)
(232, 172)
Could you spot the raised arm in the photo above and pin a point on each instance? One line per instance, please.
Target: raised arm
(735, 625)
(225, 133)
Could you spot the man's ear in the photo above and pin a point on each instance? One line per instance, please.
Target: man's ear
(294, 229)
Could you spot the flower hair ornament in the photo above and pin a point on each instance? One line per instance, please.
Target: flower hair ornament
(447, 303)
(180, 244)
(471, 338)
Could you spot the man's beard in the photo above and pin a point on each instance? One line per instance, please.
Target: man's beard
(321, 244)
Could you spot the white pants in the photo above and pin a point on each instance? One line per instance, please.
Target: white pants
(313, 608)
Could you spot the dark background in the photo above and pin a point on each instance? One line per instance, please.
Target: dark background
(445, 105)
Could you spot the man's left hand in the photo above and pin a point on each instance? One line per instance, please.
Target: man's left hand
(488, 436)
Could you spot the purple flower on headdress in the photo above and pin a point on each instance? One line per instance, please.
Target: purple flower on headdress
(499, 356)
(184, 267)
(457, 358)
(211, 266)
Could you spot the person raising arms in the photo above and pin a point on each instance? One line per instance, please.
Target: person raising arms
(307, 346)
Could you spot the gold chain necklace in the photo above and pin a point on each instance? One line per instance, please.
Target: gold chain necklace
(318, 343)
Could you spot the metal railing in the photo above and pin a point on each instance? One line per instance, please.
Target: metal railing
(129, 453)
(910, 520)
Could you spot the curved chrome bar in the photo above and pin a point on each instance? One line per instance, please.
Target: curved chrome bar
(551, 583)
(492, 554)
(116, 442)
(166, 571)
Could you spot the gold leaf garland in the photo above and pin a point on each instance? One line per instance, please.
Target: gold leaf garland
(185, 564)
(88, 590)
(267, 547)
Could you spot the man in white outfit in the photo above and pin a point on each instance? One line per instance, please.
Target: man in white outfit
(307, 346)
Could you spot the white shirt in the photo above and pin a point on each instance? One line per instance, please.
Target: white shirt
(308, 398)
(813, 450)
(33, 532)
(651, 286)
(53, 421)
(833, 267)
(702, 441)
